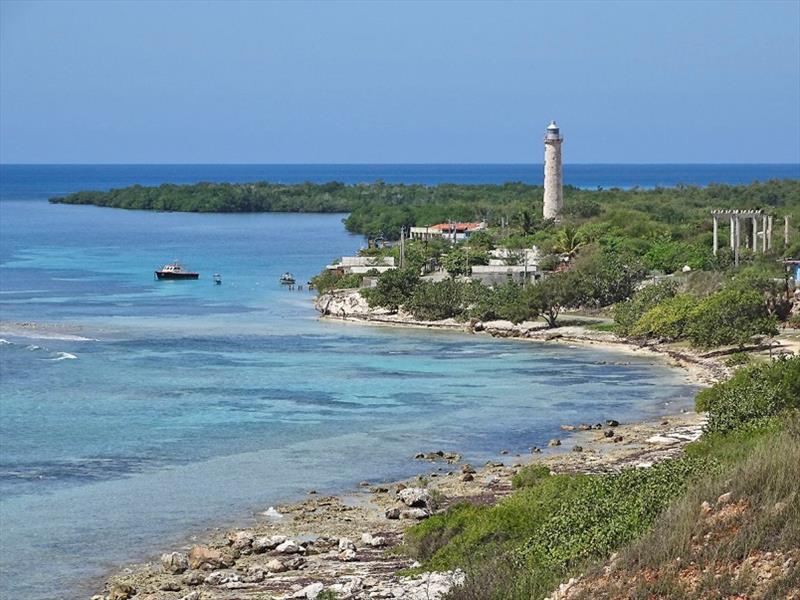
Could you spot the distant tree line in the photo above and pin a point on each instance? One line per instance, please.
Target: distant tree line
(672, 225)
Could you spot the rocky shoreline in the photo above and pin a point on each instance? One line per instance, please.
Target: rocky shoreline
(343, 544)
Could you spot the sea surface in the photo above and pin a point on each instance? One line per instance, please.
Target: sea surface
(136, 413)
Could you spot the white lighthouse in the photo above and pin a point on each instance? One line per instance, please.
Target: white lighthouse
(553, 184)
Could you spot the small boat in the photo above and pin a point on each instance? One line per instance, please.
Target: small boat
(287, 279)
(175, 271)
(217, 279)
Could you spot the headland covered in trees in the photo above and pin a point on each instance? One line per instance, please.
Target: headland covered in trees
(381, 209)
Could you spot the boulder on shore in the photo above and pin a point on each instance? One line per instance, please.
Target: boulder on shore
(415, 497)
(174, 562)
(203, 557)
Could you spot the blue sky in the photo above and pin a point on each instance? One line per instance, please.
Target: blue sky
(381, 82)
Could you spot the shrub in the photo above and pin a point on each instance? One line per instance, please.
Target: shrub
(752, 396)
(737, 359)
(627, 313)
(732, 316)
(394, 288)
(442, 300)
(667, 320)
(530, 476)
(670, 256)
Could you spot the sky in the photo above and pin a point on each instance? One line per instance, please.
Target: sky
(409, 82)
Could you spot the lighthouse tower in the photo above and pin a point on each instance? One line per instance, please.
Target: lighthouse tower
(553, 185)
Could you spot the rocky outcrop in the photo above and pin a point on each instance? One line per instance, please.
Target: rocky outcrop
(205, 558)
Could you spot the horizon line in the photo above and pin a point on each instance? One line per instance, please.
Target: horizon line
(378, 164)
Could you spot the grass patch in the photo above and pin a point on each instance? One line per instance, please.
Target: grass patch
(762, 515)
(548, 529)
(602, 327)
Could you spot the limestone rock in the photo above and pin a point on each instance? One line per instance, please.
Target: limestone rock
(392, 513)
(203, 557)
(311, 591)
(346, 544)
(348, 555)
(121, 591)
(554, 442)
(241, 541)
(191, 596)
(193, 578)
(375, 541)
(174, 562)
(289, 547)
(264, 543)
(415, 497)
(276, 566)
(169, 586)
(414, 513)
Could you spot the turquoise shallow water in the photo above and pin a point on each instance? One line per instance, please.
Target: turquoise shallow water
(138, 412)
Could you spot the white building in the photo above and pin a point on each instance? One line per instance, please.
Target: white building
(363, 264)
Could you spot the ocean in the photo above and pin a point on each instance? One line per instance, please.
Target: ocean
(135, 414)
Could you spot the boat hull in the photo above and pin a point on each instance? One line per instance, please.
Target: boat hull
(168, 275)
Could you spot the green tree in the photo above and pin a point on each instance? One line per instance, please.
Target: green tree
(394, 289)
(667, 320)
(628, 312)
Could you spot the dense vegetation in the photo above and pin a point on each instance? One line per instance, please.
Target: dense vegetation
(556, 526)
(728, 311)
(669, 226)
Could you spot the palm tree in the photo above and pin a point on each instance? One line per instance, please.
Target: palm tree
(568, 241)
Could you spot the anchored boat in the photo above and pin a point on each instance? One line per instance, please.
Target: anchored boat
(287, 279)
(174, 270)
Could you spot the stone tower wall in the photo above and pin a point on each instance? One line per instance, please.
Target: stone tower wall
(553, 190)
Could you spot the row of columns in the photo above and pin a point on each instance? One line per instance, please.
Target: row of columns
(766, 226)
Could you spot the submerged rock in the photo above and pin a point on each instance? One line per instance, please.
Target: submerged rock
(554, 442)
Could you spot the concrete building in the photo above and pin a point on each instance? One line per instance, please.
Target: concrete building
(553, 180)
(500, 274)
(362, 264)
(454, 232)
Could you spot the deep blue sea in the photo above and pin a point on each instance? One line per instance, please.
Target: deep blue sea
(135, 413)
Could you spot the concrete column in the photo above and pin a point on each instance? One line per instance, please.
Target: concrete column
(716, 239)
(764, 234)
(737, 240)
(754, 221)
(785, 231)
(733, 233)
(769, 232)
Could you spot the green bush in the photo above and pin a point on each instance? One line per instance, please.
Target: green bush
(627, 313)
(667, 320)
(732, 316)
(737, 359)
(671, 256)
(530, 476)
(394, 288)
(752, 396)
(442, 300)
